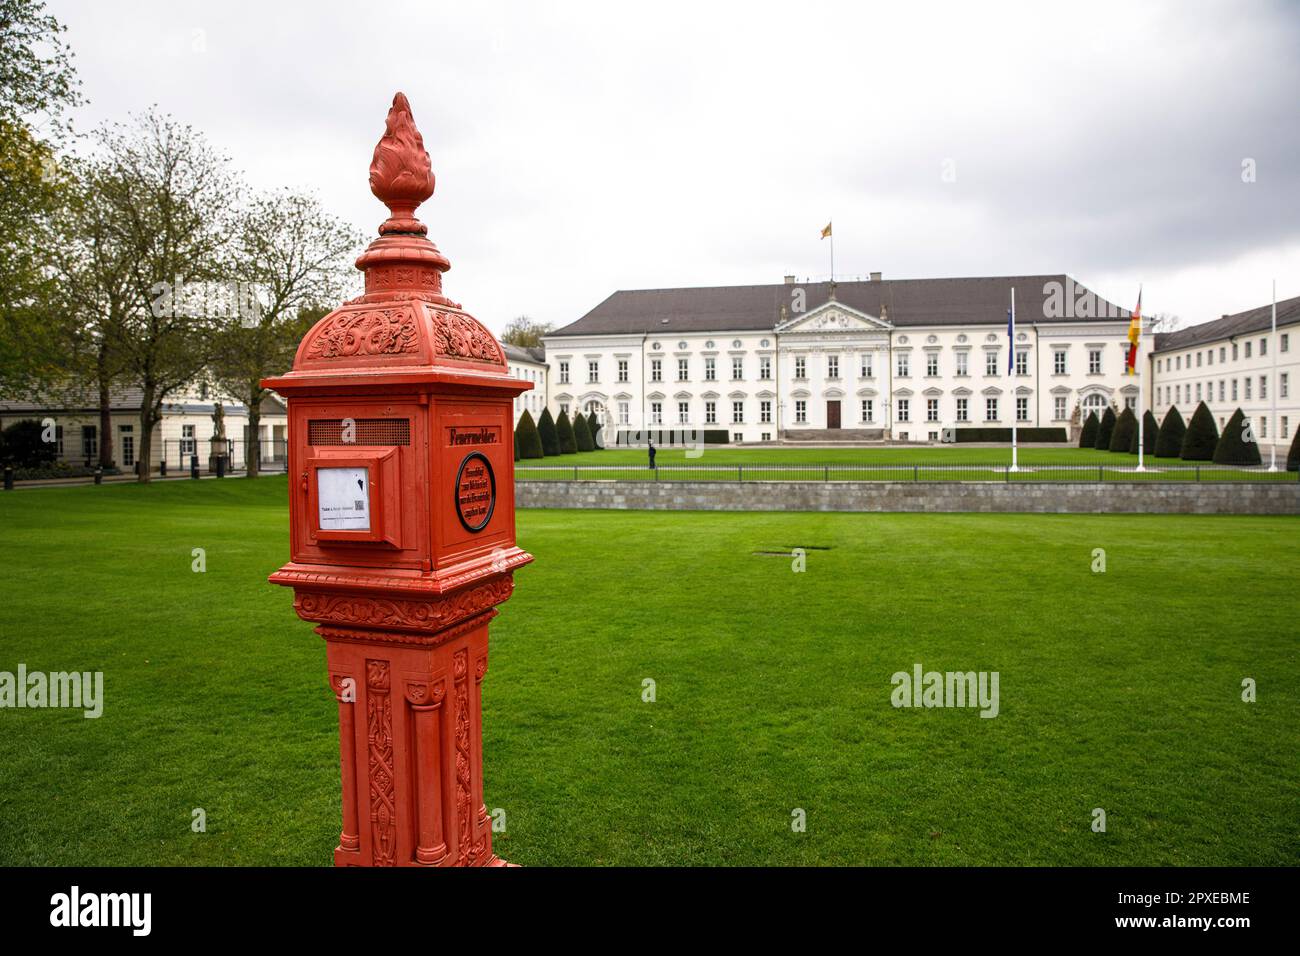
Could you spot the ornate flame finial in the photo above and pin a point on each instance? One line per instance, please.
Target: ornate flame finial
(400, 173)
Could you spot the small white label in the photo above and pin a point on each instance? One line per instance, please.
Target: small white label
(344, 496)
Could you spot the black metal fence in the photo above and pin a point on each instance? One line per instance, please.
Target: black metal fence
(273, 456)
(911, 473)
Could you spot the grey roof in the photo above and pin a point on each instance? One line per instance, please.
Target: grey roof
(907, 302)
(1241, 323)
(515, 353)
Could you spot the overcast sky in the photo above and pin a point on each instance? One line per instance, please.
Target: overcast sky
(583, 148)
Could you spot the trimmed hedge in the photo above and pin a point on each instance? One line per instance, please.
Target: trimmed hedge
(528, 442)
(594, 426)
(550, 437)
(564, 429)
(1088, 434)
(1004, 434)
(1150, 432)
(1233, 449)
(1293, 456)
(581, 433)
(1169, 443)
(22, 446)
(1105, 429)
(1202, 435)
(1125, 432)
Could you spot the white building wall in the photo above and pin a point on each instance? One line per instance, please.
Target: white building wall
(1232, 373)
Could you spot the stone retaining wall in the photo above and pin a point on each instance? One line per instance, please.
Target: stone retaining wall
(1237, 498)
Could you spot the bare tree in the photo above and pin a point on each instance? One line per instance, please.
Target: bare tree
(166, 199)
(525, 332)
(291, 261)
(1163, 322)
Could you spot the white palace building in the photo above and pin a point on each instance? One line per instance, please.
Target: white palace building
(898, 360)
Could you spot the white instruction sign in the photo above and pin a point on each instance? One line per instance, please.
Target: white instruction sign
(344, 497)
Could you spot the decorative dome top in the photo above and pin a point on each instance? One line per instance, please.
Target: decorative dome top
(401, 175)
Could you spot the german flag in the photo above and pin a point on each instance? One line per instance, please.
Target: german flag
(1134, 333)
(827, 231)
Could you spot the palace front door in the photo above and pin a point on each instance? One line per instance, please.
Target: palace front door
(832, 414)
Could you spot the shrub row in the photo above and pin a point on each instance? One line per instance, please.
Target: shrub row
(550, 437)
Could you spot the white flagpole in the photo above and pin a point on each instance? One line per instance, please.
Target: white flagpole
(1137, 367)
(1272, 462)
(1011, 347)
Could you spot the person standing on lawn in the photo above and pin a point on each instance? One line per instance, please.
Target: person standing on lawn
(651, 448)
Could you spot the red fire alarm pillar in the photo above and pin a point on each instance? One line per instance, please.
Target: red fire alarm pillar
(402, 530)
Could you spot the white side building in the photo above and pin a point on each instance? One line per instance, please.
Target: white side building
(530, 366)
(1235, 362)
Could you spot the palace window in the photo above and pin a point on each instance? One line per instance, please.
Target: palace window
(737, 413)
(1058, 407)
(656, 370)
(1263, 347)
(710, 413)
(656, 413)
(1022, 363)
(1058, 362)
(1263, 387)
(1198, 359)
(1234, 351)
(800, 367)
(1286, 347)
(904, 365)
(1263, 427)
(564, 373)
(1223, 354)
(1248, 389)
(765, 412)
(931, 409)
(1094, 361)
(593, 370)
(1209, 356)
(1198, 391)
(1285, 423)
(187, 440)
(710, 369)
(1221, 389)
(963, 409)
(1247, 350)
(864, 366)
(127, 437)
(622, 370)
(904, 410)
(991, 362)
(683, 369)
(90, 441)
(737, 368)
(1234, 389)
(624, 413)
(1022, 409)
(1284, 385)
(1130, 402)
(683, 413)
(868, 411)
(963, 363)
(765, 367)
(932, 363)
(990, 409)
(800, 411)
(832, 366)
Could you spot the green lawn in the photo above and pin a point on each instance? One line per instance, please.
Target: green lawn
(1118, 690)
(923, 463)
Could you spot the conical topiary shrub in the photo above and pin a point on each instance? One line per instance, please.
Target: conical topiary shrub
(593, 426)
(1105, 429)
(1125, 432)
(581, 433)
(1236, 445)
(550, 437)
(564, 430)
(527, 439)
(1202, 435)
(1150, 432)
(1169, 443)
(1293, 457)
(1088, 434)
